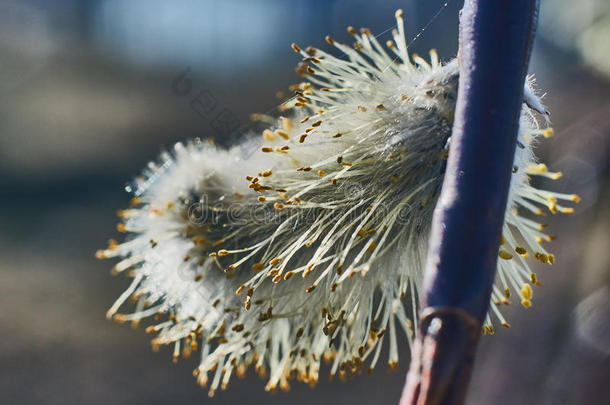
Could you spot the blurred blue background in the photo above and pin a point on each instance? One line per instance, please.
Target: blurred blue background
(88, 96)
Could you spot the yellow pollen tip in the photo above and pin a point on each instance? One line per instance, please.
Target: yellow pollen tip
(505, 255)
(398, 13)
(547, 133)
(526, 303)
(539, 168)
(526, 291)
(268, 135)
(282, 134)
(575, 198)
(287, 124)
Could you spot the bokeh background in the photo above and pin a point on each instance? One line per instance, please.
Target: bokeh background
(88, 97)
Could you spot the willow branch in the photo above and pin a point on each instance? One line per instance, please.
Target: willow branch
(495, 46)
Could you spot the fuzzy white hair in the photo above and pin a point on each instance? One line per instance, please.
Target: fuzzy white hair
(307, 243)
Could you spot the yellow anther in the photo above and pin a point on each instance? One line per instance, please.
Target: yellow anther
(566, 210)
(539, 168)
(282, 134)
(520, 250)
(506, 324)
(268, 135)
(526, 291)
(287, 124)
(526, 303)
(507, 292)
(267, 149)
(556, 175)
(223, 252)
(541, 257)
(548, 132)
(505, 255)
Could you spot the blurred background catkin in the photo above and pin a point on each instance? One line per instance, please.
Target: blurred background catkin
(90, 91)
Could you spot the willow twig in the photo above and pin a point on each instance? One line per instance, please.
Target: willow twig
(495, 46)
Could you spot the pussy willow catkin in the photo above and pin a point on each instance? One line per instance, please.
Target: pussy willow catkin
(306, 243)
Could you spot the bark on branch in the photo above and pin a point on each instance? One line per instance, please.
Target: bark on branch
(495, 46)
